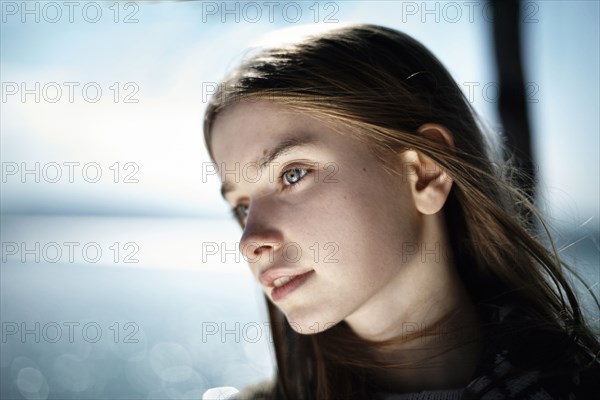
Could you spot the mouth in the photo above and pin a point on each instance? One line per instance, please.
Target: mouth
(283, 286)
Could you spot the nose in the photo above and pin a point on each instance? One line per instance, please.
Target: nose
(259, 246)
(261, 239)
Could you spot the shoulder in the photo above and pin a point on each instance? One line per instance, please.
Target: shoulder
(258, 391)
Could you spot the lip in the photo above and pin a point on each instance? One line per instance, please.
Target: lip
(282, 291)
(267, 277)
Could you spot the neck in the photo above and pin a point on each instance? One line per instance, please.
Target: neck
(442, 356)
(427, 329)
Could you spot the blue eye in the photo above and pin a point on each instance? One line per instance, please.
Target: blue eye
(293, 175)
(240, 212)
(289, 177)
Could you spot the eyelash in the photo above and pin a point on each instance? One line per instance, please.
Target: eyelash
(291, 186)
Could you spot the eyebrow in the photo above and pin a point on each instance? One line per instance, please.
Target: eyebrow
(282, 148)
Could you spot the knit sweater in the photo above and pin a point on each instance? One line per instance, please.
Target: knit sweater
(529, 386)
(261, 390)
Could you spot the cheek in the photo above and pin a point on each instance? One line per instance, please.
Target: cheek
(373, 228)
(359, 222)
(359, 231)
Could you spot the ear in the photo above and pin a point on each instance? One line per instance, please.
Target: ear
(429, 183)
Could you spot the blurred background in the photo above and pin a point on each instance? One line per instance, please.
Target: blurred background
(120, 277)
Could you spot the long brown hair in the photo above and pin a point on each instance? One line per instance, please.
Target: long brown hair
(383, 85)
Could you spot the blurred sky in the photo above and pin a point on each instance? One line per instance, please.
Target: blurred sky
(177, 48)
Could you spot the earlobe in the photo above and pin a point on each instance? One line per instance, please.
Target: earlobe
(431, 184)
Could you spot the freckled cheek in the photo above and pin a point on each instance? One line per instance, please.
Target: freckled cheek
(345, 243)
(319, 225)
(372, 239)
(311, 218)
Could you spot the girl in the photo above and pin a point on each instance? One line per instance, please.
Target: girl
(397, 260)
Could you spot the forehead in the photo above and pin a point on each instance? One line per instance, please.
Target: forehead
(247, 131)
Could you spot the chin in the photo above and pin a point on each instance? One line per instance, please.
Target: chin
(305, 325)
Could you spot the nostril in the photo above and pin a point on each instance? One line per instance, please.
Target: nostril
(253, 251)
(247, 248)
(259, 239)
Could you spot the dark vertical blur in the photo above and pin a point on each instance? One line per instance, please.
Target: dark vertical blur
(512, 104)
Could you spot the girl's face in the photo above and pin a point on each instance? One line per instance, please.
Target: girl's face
(324, 212)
